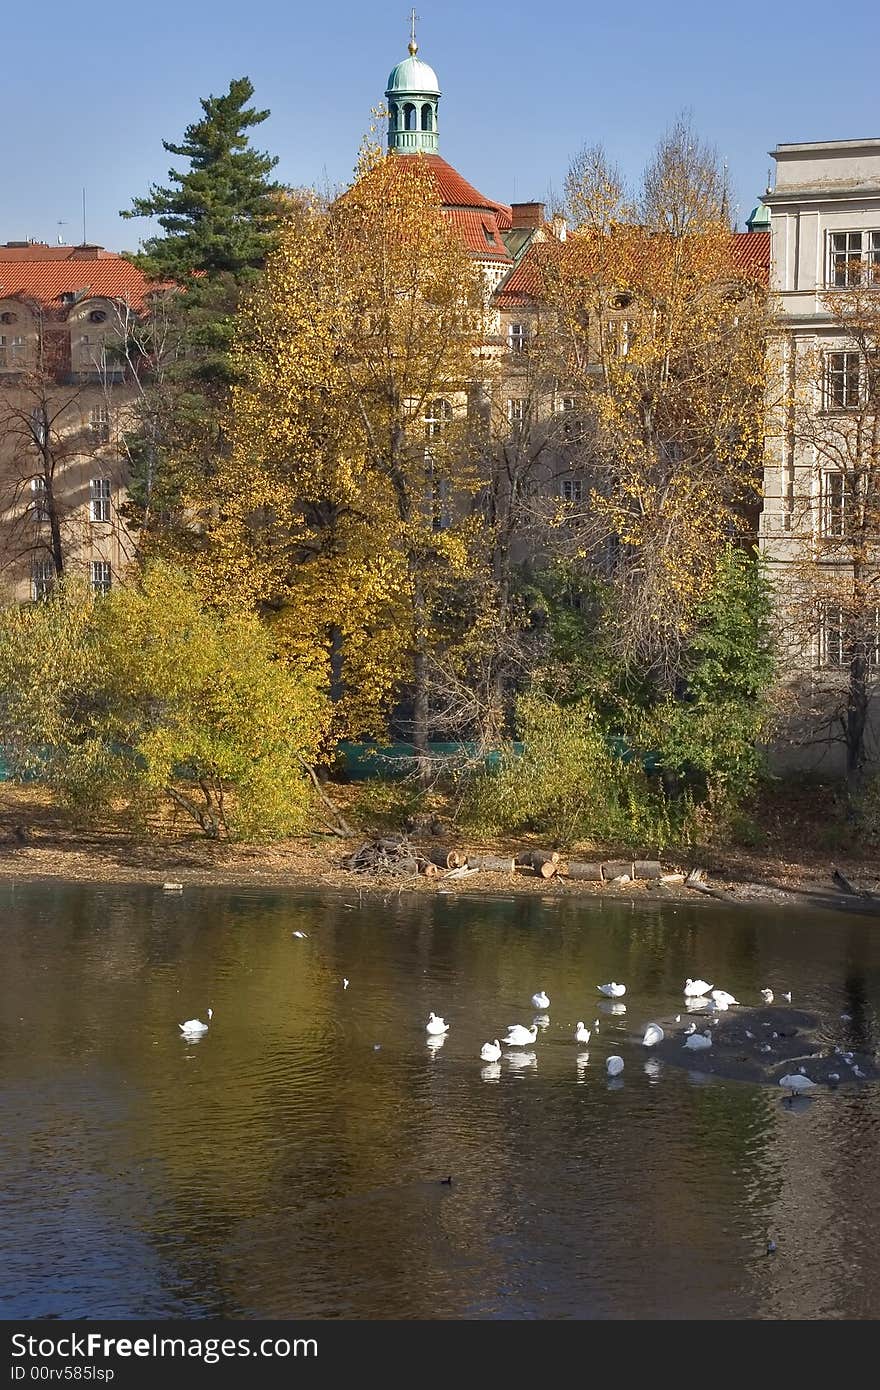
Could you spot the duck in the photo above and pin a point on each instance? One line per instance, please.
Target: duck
(582, 1033)
(490, 1052)
(786, 997)
(767, 996)
(194, 1026)
(693, 988)
(519, 1036)
(612, 990)
(653, 1035)
(698, 1040)
(436, 1025)
(614, 1066)
(540, 1000)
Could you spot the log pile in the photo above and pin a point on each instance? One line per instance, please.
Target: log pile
(398, 857)
(393, 856)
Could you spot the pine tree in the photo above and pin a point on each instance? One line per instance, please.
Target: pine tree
(220, 221)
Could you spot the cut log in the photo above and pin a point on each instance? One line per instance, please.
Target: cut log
(646, 868)
(491, 863)
(616, 868)
(444, 859)
(541, 862)
(589, 873)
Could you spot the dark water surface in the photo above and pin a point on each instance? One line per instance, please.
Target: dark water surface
(286, 1166)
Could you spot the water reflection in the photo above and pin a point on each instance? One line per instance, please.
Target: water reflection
(292, 1164)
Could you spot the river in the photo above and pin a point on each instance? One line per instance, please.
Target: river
(290, 1162)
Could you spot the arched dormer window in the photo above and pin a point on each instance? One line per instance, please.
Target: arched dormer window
(409, 116)
(426, 116)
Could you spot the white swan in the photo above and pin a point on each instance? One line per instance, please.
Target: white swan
(612, 990)
(786, 997)
(653, 1035)
(722, 999)
(797, 1081)
(698, 1040)
(540, 1000)
(582, 1033)
(518, 1036)
(614, 1066)
(692, 988)
(490, 1052)
(194, 1026)
(767, 996)
(436, 1025)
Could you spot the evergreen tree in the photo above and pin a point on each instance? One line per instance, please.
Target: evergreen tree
(220, 219)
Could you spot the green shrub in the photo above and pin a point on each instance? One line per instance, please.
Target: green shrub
(146, 696)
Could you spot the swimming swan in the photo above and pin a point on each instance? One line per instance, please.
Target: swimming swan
(698, 1040)
(653, 1035)
(693, 988)
(540, 1000)
(614, 1066)
(582, 1033)
(490, 1052)
(436, 1025)
(518, 1036)
(194, 1026)
(722, 999)
(612, 990)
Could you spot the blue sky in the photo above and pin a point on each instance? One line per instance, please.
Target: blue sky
(89, 93)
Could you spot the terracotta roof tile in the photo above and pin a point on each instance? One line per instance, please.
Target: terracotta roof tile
(45, 279)
(479, 231)
(751, 254)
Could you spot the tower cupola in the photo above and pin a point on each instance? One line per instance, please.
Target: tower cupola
(412, 94)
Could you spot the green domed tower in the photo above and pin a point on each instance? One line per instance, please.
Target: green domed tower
(412, 95)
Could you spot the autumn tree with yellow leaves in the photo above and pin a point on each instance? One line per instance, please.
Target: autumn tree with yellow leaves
(341, 510)
(661, 340)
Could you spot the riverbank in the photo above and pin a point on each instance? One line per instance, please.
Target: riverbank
(39, 840)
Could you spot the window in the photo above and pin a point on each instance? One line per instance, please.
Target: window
(426, 117)
(517, 336)
(836, 636)
(42, 575)
(392, 115)
(833, 504)
(841, 380)
(490, 236)
(99, 499)
(101, 576)
(39, 498)
(437, 416)
(99, 423)
(853, 258)
(11, 349)
(572, 490)
(39, 426)
(619, 336)
(409, 116)
(516, 413)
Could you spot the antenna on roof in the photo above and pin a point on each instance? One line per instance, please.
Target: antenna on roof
(84, 218)
(61, 223)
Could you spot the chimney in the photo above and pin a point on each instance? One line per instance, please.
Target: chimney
(527, 216)
(86, 251)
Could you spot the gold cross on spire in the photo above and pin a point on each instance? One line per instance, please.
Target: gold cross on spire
(413, 46)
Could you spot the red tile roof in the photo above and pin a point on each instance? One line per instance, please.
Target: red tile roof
(480, 233)
(468, 210)
(32, 274)
(751, 254)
